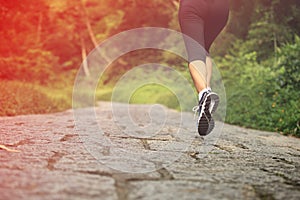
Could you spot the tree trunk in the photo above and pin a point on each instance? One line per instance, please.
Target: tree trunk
(84, 60)
(90, 30)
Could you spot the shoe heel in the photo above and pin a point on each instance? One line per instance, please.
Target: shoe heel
(215, 99)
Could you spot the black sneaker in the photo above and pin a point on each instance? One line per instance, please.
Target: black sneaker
(204, 116)
(207, 105)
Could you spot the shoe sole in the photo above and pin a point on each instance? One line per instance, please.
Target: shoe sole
(205, 118)
(206, 122)
(211, 126)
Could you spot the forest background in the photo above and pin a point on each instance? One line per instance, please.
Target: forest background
(44, 42)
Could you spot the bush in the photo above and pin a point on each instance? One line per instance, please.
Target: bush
(35, 66)
(19, 98)
(263, 97)
(289, 65)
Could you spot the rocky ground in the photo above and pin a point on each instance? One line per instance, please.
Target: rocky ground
(147, 156)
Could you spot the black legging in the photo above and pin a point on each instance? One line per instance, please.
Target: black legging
(202, 20)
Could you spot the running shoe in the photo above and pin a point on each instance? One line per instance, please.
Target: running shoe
(208, 104)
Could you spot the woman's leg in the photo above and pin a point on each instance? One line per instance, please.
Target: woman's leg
(191, 18)
(200, 23)
(209, 71)
(217, 16)
(198, 72)
(215, 21)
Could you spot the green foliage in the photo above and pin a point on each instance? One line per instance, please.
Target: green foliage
(289, 65)
(241, 12)
(35, 65)
(104, 94)
(271, 26)
(260, 67)
(18, 98)
(149, 93)
(264, 97)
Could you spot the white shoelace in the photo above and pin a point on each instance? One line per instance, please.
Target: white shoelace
(195, 110)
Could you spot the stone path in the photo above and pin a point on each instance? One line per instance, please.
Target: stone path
(55, 162)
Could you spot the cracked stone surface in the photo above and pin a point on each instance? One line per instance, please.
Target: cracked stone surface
(54, 162)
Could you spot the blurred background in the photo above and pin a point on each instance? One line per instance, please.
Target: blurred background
(44, 42)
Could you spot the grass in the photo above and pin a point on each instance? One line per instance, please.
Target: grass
(147, 94)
